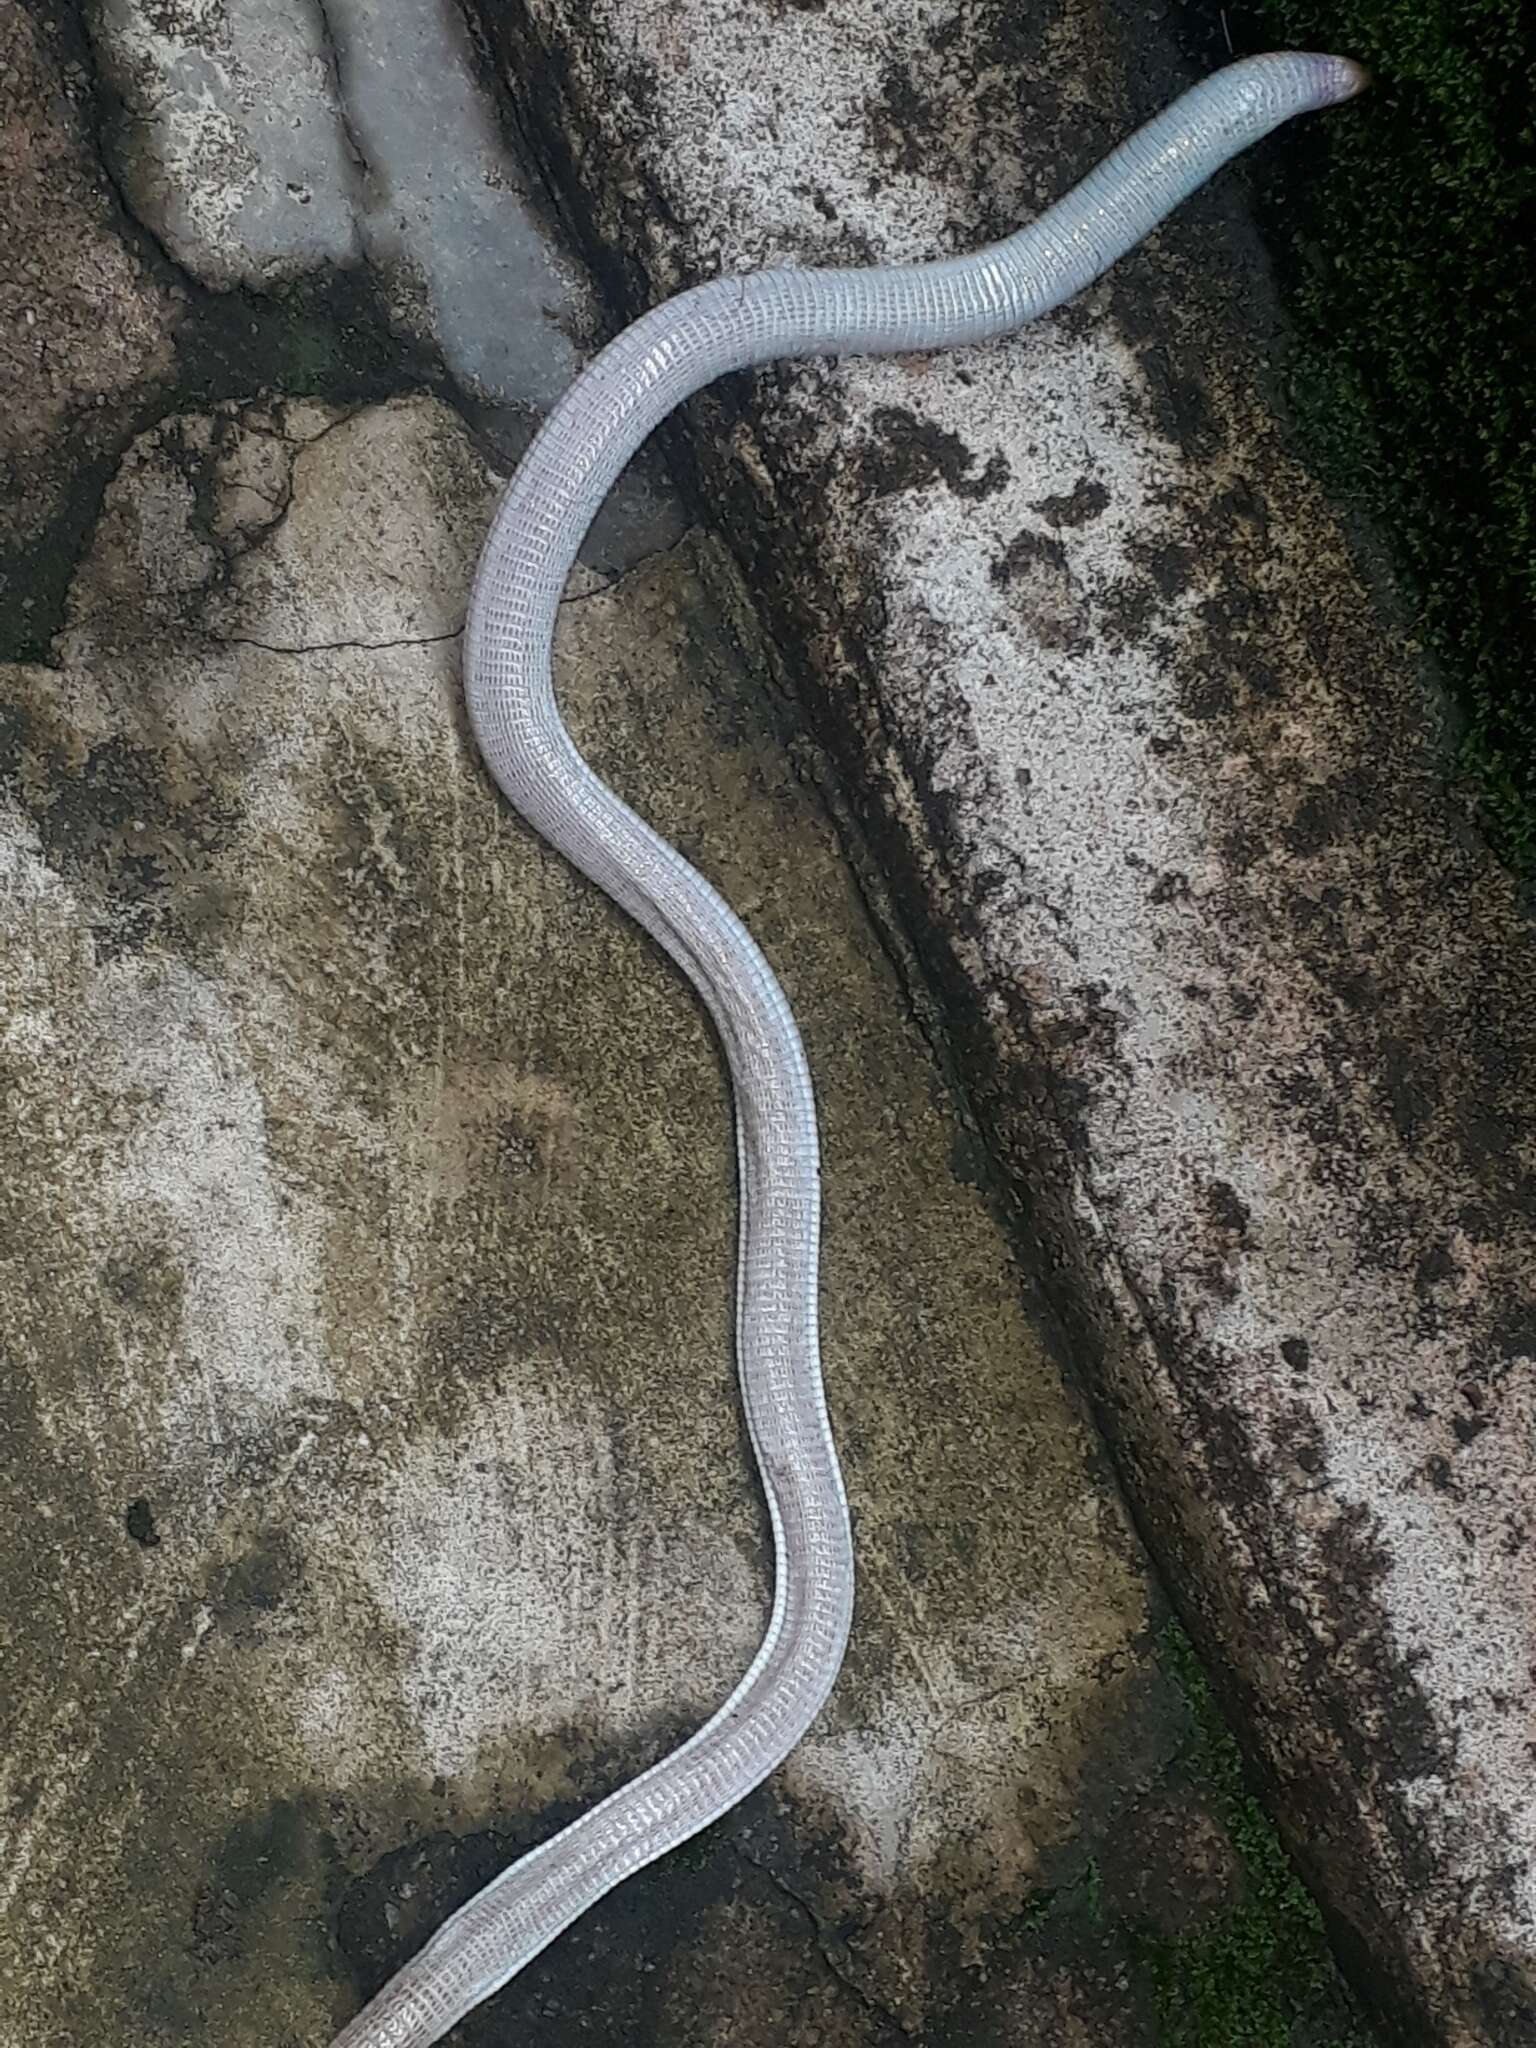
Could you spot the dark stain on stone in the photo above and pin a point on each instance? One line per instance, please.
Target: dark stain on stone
(1127, 609)
(640, 87)
(479, 1329)
(1208, 694)
(646, 1965)
(261, 1862)
(1172, 1828)
(15, 731)
(943, 112)
(1171, 565)
(1437, 1470)
(1435, 1268)
(900, 120)
(142, 825)
(1314, 1108)
(267, 1850)
(1505, 1989)
(1296, 1352)
(680, 1952)
(907, 454)
(1299, 1438)
(1241, 505)
(215, 1926)
(1514, 1333)
(1174, 386)
(1077, 1982)
(147, 1280)
(139, 1521)
(265, 1575)
(1078, 507)
(1093, 1027)
(1360, 1563)
(1033, 571)
(1326, 814)
(1226, 1210)
(1025, 552)
(250, 1595)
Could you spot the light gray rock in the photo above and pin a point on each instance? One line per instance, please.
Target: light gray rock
(374, 1470)
(1250, 1018)
(266, 142)
(233, 146)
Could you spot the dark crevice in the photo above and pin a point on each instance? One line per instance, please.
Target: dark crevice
(332, 646)
(827, 1947)
(362, 168)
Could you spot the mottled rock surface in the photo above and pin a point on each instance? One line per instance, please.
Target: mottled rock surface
(231, 141)
(83, 326)
(1248, 1014)
(270, 141)
(374, 1482)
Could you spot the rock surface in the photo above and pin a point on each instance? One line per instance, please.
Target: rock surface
(271, 141)
(1248, 1014)
(84, 328)
(232, 142)
(375, 1478)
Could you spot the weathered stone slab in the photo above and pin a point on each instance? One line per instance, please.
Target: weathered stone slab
(271, 141)
(85, 331)
(374, 1484)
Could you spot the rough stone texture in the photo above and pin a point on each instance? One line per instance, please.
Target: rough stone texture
(446, 211)
(83, 328)
(1249, 1015)
(232, 143)
(374, 1483)
(278, 138)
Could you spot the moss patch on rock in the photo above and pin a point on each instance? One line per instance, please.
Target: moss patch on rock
(1410, 256)
(1258, 1975)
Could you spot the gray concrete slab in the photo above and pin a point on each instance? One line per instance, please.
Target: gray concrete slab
(373, 1460)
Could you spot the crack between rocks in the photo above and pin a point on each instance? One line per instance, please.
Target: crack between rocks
(104, 97)
(825, 1948)
(332, 646)
(606, 589)
(188, 280)
(363, 176)
(299, 446)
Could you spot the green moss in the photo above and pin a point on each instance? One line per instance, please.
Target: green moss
(1259, 1975)
(324, 337)
(1411, 224)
